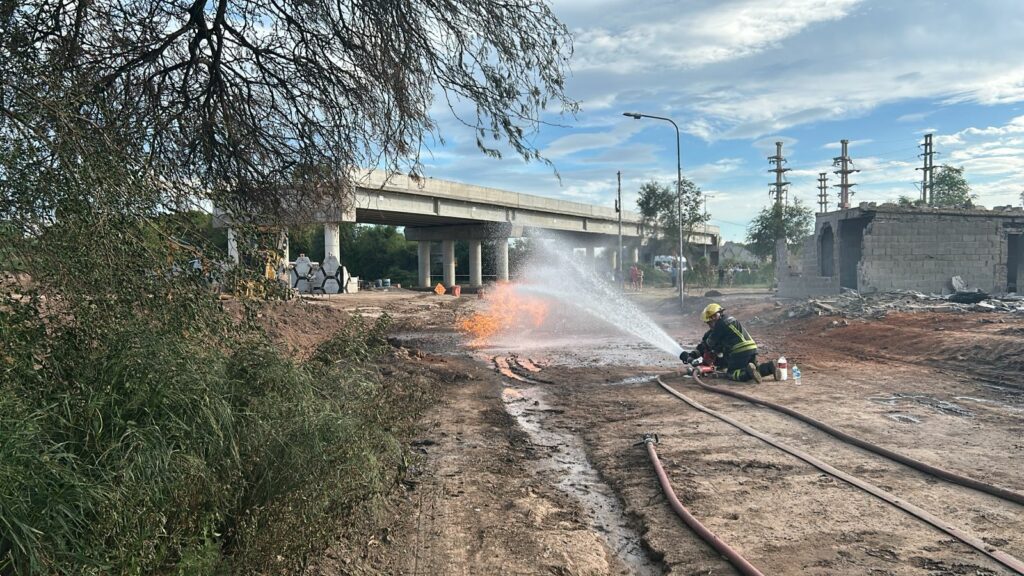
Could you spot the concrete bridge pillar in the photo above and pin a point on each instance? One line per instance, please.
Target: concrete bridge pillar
(332, 241)
(636, 254)
(615, 260)
(501, 258)
(232, 246)
(424, 263)
(475, 269)
(448, 253)
(590, 257)
(284, 248)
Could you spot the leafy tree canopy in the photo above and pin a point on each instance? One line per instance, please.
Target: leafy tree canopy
(242, 99)
(793, 222)
(950, 188)
(658, 204)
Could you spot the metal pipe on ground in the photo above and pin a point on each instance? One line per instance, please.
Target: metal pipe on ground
(992, 552)
(895, 456)
(734, 557)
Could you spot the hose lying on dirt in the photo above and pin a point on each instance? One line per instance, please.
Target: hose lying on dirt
(739, 562)
(999, 556)
(895, 456)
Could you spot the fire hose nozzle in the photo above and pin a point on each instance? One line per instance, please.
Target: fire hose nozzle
(684, 356)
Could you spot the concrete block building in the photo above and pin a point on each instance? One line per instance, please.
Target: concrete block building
(880, 248)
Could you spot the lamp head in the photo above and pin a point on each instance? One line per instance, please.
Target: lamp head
(633, 115)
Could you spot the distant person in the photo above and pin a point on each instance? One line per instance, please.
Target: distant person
(721, 276)
(640, 280)
(674, 274)
(634, 278)
(728, 337)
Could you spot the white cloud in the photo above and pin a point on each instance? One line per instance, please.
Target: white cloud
(839, 145)
(914, 116)
(665, 37)
(746, 68)
(705, 172)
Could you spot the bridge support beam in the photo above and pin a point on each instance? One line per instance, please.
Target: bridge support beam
(332, 240)
(501, 259)
(475, 269)
(283, 248)
(424, 263)
(448, 253)
(591, 262)
(636, 254)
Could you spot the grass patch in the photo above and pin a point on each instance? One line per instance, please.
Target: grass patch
(143, 448)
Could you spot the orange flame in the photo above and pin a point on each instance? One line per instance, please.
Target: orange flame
(504, 310)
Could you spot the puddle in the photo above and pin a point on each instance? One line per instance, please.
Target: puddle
(1007, 407)
(942, 406)
(903, 418)
(577, 478)
(635, 380)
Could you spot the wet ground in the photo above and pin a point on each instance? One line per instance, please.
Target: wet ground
(540, 472)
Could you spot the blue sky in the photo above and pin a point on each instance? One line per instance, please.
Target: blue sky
(738, 75)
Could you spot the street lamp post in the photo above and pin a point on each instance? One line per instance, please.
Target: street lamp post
(679, 197)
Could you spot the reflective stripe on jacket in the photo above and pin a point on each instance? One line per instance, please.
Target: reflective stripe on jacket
(730, 337)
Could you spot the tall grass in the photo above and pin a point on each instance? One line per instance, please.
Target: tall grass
(144, 448)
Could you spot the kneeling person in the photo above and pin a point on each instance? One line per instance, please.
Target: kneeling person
(727, 336)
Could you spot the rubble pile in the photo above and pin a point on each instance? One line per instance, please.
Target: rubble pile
(851, 304)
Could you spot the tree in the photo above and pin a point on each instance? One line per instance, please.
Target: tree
(240, 100)
(792, 222)
(145, 428)
(659, 208)
(950, 189)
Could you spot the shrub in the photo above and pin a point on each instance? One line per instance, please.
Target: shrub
(142, 448)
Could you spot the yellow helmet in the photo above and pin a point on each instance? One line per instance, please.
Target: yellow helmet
(709, 311)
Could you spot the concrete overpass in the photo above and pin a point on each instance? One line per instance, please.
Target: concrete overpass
(433, 210)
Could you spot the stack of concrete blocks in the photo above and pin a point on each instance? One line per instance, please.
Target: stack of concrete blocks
(301, 275)
(330, 278)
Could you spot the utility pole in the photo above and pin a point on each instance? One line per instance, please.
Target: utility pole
(822, 192)
(844, 172)
(780, 184)
(927, 170)
(618, 208)
(706, 195)
(780, 189)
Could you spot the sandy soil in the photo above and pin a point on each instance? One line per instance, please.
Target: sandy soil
(540, 472)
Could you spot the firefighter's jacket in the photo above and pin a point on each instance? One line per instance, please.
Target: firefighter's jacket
(730, 337)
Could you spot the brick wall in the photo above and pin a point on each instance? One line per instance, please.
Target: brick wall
(904, 250)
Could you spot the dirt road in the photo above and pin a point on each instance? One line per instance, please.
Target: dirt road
(539, 472)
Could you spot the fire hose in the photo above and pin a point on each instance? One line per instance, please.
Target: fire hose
(999, 556)
(734, 557)
(953, 477)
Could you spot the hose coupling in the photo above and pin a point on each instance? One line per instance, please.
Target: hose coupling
(648, 438)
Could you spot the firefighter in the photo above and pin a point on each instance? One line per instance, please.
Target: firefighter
(727, 336)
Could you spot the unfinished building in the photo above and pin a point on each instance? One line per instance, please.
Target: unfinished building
(881, 248)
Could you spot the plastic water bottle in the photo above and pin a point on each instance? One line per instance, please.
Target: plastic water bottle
(783, 368)
(796, 374)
